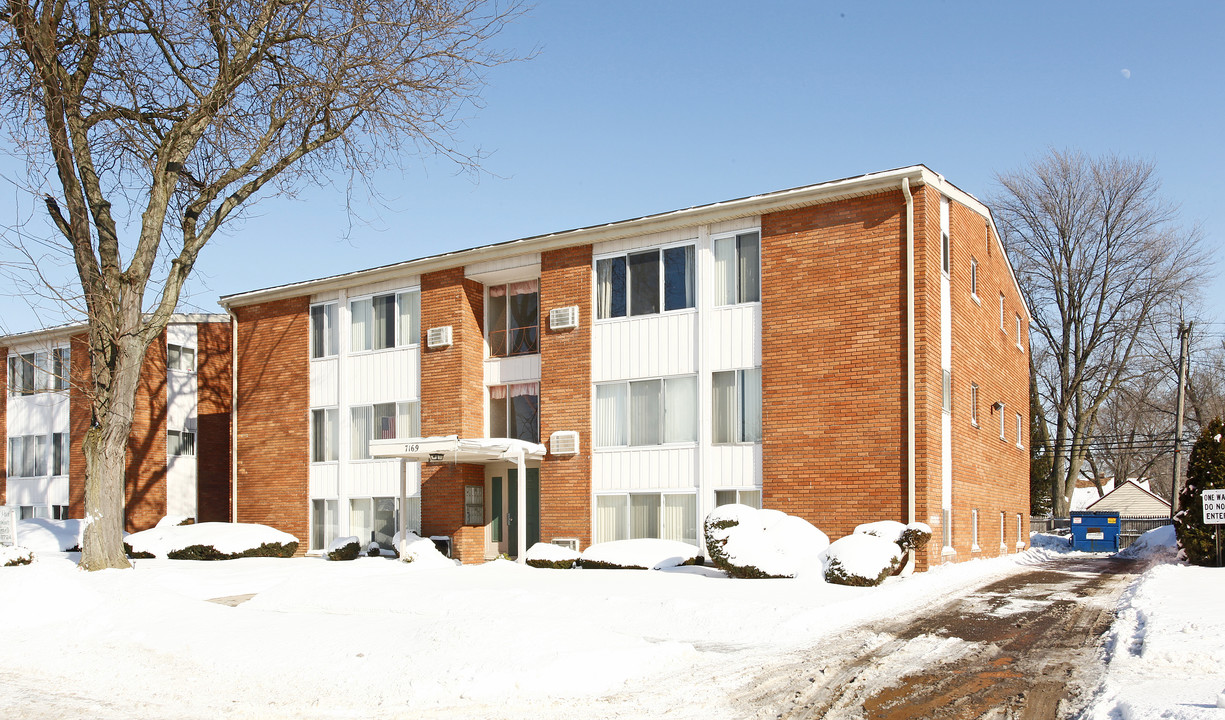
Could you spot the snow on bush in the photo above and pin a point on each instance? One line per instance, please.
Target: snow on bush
(639, 554)
(15, 555)
(42, 535)
(908, 537)
(212, 541)
(343, 548)
(1048, 541)
(175, 520)
(746, 542)
(548, 555)
(1159, 543)
(421, 552)
(861, 560)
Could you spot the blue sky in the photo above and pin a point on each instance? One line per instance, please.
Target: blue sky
(630, 108)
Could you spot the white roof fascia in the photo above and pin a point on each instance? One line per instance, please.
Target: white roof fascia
(676, 219)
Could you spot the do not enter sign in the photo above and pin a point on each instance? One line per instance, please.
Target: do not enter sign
(1214, 507)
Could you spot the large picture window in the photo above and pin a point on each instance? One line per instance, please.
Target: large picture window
(646, 283)
(325, 435)
(629, 516)
(514, 319)
(385, 321)
(647, 412)
(736, 406)
(384, 421)
(27, 456)
(514, 411)
(35, 372)
(325, 331)
(738, 269)
(181, 357)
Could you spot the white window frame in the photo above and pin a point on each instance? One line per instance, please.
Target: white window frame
(180, 440)
(398, 407)
(974, 531)
(1020, 538)
(974, 278)
(660, 521)
(1002, 313)
(1019, 345)
(182, 350)
(509, 406)
(595, 285)
(663, 409)
(61, 450)
(39, 371)
(736, 265)
(330, 451)
(974, 404)
(946, 393)
(1003, 423)
(1020, 429)
(738, 496)
(1003, 545)
(330, 329)
(33, 456)
(399, 340)
(946, 254)
(738, 410)
(490, 330)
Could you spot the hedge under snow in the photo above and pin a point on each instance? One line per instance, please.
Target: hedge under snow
(549, 555)
(746, 542)
(638, 554)
(226, 540)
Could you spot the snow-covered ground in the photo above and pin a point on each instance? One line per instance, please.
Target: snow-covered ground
(377, 637)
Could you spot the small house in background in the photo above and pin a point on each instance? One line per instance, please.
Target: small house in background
(1132, 499)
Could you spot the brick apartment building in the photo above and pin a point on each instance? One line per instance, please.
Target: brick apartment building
(850, 351)
(178, 456)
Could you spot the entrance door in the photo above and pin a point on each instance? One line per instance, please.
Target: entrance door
(503, 525)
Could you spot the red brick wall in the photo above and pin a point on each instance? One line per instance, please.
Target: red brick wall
(213, 388)
(4, 409)
(272, 416)
(565, 402)
(452, 402)
(833, 362)
(145, 489)
(80, 414)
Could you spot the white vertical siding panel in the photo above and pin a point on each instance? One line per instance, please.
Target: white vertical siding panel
(40, 414)
(733, 466)
(382, 376)
(324, 382)
(324, 480)
(645, 347)
(733, 337)
(180, 400)
(181, 334)
(181, 486)
(644, 469)
(37, 491)
(524, 368)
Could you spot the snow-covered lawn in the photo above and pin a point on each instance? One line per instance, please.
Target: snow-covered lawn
(376, 637)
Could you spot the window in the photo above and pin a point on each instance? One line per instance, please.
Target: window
(514, 319)
(946, 528)
(1003, 546)
(514, 411)
(384, 421)
(948, 391)
(974, 530)
(1019, 345)
(1019, 426)
(385, 321)
(373, 520)
(645, 283)
(752, 498)
(27, 456)
(738, 269)
(180, 443)
(647, 412)
(325, 435)
(62, 368)
(974, 277)
(629, 516)
(37, 372)
(736, 406)
(945, 260)
(325, 331)
(1001, 406)
(324, 522)
(179, 357)
(1020, 537)
(974, 404)
(59, 454)
(1001, 311)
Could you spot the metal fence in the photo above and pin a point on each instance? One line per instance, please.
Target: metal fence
(1130, 527)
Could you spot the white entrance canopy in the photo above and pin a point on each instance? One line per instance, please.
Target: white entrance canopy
(452, 448)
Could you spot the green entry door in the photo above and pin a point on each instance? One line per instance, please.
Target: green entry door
(512, 509)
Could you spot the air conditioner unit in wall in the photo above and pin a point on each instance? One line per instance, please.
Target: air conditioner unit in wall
(563, 317)
(438, 337)
(563, 442)
(571, 543)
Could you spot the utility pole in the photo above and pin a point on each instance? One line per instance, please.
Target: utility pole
(1184, 334)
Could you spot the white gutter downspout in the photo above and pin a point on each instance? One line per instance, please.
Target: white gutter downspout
(910, 365)
(233, 415)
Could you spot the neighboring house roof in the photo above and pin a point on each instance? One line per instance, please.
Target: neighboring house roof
(805, 196)
(58, 332)
(1131, 498)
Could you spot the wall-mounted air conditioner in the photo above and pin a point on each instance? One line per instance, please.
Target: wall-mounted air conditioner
(438, 337)
(563, 317)
(571, 543)
(563, 442)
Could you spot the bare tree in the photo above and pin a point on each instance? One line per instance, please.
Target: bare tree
(151, 123)
(1098, 251)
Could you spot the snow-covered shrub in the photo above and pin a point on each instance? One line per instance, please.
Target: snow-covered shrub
(861, 560)
(343, 548)
(1205, 471)
(134, 554)
(746, 542)
(421, 552)
(175, 521)
(908, 537)
(548, 555)
(638, 554)
(373, 549)
(15, 555)
(212, 541)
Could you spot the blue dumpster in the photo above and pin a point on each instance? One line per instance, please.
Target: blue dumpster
(1095, 531)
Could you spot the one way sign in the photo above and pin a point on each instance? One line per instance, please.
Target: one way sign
(1214, 507)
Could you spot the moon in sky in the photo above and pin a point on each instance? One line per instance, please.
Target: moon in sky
(1126, 74)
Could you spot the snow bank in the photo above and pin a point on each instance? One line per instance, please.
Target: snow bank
(861, 560)
(1050, 542)
(751, 543)
(639, 554)
(548, 555)
(43, 536)
(1160, 543)
(15, 555)
(225, 538)
(422, 553)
